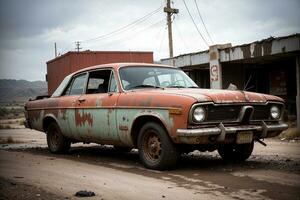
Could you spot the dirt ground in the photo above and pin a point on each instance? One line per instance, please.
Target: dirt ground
(29, 171)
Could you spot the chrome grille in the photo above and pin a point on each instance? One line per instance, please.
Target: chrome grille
(221, 113)
(230, 113)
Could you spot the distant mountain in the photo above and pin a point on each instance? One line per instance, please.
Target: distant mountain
(21, 90)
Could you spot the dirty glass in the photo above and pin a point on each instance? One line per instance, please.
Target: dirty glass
(62, 86)
(154, 77)
(77, 85)
(113, 84)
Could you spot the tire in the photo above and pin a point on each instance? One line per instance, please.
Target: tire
(57, 143)
(236, 152)
(122, 149)
(156, 149)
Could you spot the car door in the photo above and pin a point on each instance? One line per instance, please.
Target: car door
(95, 113)
(68, 102)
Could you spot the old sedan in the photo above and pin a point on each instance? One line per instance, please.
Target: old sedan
(155, 108)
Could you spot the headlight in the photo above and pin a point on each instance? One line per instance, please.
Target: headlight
(275, 112)
(199, 114)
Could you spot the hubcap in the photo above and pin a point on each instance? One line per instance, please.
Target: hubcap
(152, 147)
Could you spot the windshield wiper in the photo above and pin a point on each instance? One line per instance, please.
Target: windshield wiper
(193, 87)
(143, 86)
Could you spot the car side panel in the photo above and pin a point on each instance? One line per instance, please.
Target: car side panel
(60, 109)
(94, 118)
(171, 110)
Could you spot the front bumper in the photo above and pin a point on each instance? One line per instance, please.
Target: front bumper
(218, 133)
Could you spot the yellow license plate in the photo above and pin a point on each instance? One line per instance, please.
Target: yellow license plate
(244, 137)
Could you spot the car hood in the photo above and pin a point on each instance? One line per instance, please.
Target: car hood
(221, 96)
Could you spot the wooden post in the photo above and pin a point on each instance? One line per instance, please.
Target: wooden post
(169, 12)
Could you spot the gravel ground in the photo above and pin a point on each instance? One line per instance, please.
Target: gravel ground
(272, 172)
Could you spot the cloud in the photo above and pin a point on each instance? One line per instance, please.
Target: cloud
(29, 28)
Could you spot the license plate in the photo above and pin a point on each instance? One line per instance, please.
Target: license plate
(244, 137)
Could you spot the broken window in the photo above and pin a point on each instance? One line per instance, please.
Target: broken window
(99, 82)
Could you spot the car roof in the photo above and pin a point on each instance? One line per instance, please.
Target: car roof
(116, 66)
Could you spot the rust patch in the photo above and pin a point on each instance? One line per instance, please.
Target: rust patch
(213, 56)
(34, 115)
(146, 102)
(246, 51)
(123, 128)
(267, 46)
(257, 50)
(81, 119)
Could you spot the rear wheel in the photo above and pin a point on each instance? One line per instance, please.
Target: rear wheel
(236, 152)
(57, 143)
(156, 150)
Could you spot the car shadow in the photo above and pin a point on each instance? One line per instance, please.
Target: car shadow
(106, 155)
(194, 170)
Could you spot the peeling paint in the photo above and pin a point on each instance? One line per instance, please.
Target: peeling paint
(82, 118)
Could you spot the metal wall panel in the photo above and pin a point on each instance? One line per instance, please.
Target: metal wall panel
(70, 62)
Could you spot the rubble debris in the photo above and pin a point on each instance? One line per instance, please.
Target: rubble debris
(84, 193)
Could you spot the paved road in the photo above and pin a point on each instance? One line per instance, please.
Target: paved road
(28, 170)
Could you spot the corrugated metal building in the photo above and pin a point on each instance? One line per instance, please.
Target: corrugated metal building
(270, 66)
(65, 64)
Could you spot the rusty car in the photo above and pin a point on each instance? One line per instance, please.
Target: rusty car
(156, 109)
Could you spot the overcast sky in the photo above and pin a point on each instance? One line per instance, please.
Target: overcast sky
(29, 28)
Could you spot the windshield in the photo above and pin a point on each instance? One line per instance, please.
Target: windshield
(155, 77)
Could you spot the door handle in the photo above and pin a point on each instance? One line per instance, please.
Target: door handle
(81, 100)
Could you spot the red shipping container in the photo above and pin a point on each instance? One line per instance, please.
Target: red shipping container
(72, 61)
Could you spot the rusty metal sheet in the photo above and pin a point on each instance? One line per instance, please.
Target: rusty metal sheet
(70, 62)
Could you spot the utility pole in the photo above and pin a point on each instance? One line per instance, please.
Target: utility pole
(77, 46)
(170, 11)
(55, 50)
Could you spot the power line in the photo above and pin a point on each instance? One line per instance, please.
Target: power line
(163, 37)
(181, 37)
(133, 34)
(195, 24)
(203, 21)
(126, 27)
(143, 29)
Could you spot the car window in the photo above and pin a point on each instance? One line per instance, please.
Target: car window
(60, 89)
(77, 86)
(94, 83)
(149, 81)
(164, 80)
(113, 84)
(99, 81)
(179, 80)
(139, 77)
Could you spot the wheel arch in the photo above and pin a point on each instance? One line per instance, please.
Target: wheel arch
(140, 121)
(47, 121)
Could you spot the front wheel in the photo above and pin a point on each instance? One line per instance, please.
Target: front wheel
(57, 143)
(236, 152)
(156, 149)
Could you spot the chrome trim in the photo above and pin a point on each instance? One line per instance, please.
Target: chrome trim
(222, 130)
(191, 121)
(242, 113)
(191, 112)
